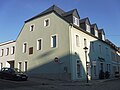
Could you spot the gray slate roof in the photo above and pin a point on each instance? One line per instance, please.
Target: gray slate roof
(94, 26)
(101, 31)
(71, 12)
(57, 10)
(86, 20)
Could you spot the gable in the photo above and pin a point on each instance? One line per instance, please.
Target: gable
(75, 13)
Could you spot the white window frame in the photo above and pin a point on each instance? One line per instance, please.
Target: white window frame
(1, 52)
(24, 51)
(100, 49)
(52, 41)
(77, 37)
(93, 46)
(45, 24)
(75, 21)
(103, 37)
(81, 68)
(12, 50)
(32, 28)
(96, 33)
(88, 28)
(39, 43)
(25, 70)
(85, 42)
(7, 51)
(95, 70)
(106, 51)
(1, 65)
(20, 67)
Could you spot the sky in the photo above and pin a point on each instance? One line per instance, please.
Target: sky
(105, 13)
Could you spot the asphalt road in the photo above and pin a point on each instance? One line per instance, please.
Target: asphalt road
(44, 84)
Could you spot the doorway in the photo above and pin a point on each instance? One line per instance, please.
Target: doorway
(11, 64)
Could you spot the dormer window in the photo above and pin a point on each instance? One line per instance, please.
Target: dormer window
(75, 21)
(96, 33)
(88, 28)
(103, 37)
(101, 34)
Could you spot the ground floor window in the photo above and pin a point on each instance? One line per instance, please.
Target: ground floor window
(94, 68)
(19, 65)
(114, 69)
(101, 66)
(1, 65)
(109, 67)
(25, 66)
(79, 69)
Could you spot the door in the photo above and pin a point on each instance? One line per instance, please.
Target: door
(11, 64)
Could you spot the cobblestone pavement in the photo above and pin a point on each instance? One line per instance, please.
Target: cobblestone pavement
(49, 84)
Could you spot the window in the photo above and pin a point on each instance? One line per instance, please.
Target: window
(96, 33)
(12, 49)
(113, 56)
(47, 22)
(2, 51)
(94, 70)
(88, 28)
(19, 65)
(77, 41)
(32, 27)
(30, 50)
(75, 21)
(103, 37)
(79, 69)
(101, 66)
(1, 65)
(100, 49)
(85, 43)
(25, 66)
(54, 41)
(107, 67)
(7, 51)
(92, 44)
(24, 47)
(39, 44)
(107, 52)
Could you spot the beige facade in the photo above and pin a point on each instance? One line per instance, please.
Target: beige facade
(42, 61)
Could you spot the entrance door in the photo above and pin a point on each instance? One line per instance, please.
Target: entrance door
(11, 64)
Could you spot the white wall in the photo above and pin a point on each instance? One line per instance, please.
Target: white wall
(10, 56)
(91, 55)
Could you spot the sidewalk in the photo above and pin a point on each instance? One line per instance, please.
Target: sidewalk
(68, 83)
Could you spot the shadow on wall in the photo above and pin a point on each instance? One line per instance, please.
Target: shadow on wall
(66, 67)
(99, 60)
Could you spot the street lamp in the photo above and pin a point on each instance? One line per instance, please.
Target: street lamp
(86, 49)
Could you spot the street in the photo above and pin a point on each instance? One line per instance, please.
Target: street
(46, 84)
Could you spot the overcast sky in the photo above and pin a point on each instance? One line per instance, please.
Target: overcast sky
(106, 13)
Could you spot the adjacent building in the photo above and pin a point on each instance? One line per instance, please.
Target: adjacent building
(7, 54)
(61, 45)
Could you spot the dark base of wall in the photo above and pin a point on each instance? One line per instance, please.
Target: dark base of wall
(59, 76)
